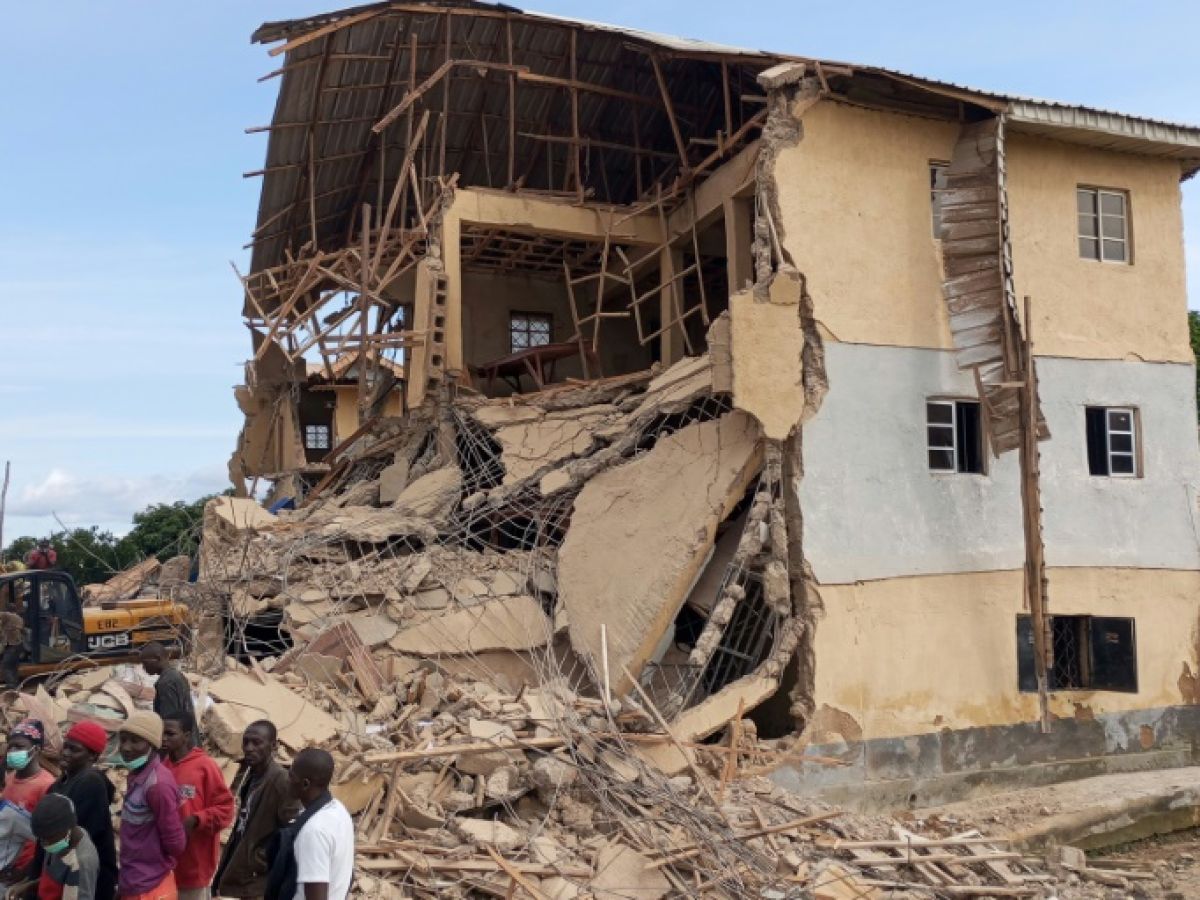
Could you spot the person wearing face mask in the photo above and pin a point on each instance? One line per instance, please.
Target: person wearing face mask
(71, 864)
(91, 793)
(151, 836)
(26, 782)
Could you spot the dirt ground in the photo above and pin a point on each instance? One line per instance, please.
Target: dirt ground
(1173, 858)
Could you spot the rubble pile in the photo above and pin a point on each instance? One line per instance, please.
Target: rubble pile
(534, 631)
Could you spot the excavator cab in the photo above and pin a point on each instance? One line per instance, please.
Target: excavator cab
(60, 634)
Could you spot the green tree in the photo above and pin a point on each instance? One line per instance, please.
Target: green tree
(165, 530)
(88, 555)
(1194, 333)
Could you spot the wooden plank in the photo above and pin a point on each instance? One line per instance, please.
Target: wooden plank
(324, 30)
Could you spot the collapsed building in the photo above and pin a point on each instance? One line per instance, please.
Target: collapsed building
(742, 384)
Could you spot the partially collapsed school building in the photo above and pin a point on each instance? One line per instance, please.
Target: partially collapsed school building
(854, 401)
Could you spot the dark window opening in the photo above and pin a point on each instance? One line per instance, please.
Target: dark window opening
(1112, 441)
(954, 436)
(1091, 653)
(529, 330)
(938, 185)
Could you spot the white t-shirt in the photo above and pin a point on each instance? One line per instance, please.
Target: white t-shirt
(324, 851)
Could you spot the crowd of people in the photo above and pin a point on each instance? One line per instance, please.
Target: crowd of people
(290, 838)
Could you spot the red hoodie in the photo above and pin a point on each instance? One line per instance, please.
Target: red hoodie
(203, 794)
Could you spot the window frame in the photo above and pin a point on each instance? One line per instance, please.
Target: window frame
(529, 318)
(936, 167)
(956, 448)
(1133, 454)
(1094, 667)
(1096, 194)
(317, 426)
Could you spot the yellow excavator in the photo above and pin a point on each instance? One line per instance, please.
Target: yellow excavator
(61, 634)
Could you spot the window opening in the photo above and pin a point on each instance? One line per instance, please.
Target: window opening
(954, 436)
(316, 437)
(938, 185)
(529, 330)
(1091, 653)
(1112, 441)
(1103, 224)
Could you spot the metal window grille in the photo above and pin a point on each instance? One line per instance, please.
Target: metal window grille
(1103, 224)
(316, 437)
(529, 330)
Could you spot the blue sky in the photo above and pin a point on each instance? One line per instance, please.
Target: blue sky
(122, 201)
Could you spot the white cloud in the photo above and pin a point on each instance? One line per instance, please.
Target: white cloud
(109, 499)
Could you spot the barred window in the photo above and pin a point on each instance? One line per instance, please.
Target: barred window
(1091, 653)
(529, 330)
(316, 437)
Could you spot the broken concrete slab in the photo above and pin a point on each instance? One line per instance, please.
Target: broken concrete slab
(224, 724)
(240, 514)
(356, 793)
(488, 832)
(534, 444)
(622, 872)
(300, 722)
(508, 623)
(768, 346)
(431, 496)
(374, 628)
(628, 564)
(392, 481)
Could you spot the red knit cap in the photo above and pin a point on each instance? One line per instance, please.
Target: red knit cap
(90, 735)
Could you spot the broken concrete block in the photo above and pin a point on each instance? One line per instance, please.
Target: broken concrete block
(505, 583)
(720, 353)
(554, 480)
(438, 598)
(318, 667)
(418, 570)
(628, 564)
(768, 346)
(431, 496)
(551, 777)
(509, 623)
(373, 629)
(392, 481)
(224, 724)
(622, 872)
(356, 793)
(239, 514)
(488, 832)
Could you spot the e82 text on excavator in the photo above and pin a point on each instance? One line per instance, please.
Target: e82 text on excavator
(58, 633)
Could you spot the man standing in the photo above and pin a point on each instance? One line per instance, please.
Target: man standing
(314, 856)
(172, 693)
(151, 838)
(26, 782)
(12, 636)
(264, 806)
(206, 806)
(70, 864)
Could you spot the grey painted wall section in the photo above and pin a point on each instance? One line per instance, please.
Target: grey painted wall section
(872, 509)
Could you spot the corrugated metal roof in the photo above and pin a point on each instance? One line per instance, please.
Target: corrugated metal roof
(351, 79)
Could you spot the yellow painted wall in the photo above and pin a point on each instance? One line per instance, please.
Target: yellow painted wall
(345, 413)
(854, 197)
(909, 656)
(1086, 308)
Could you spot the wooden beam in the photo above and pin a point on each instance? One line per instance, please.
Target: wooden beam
(670, 109)
(412, 96)
(324, 30)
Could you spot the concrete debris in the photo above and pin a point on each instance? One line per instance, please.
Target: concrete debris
(474, 616)
(696, 476)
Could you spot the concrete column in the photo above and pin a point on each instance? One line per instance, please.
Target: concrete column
(739, 218)
(452, 260)
(417, 358)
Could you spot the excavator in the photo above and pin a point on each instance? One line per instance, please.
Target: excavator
(62, 635)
